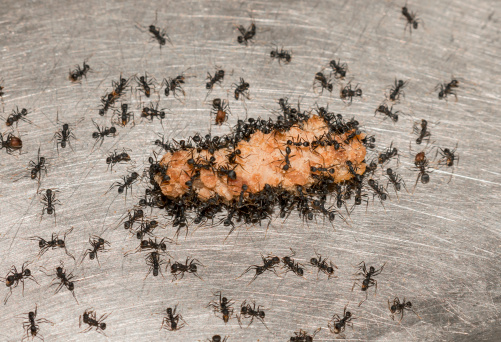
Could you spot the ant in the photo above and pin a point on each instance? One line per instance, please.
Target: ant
(124, 116)
(31, 325)
(399, 308)
(137, 214)
(423, 133)
(178, 269)
(1, 91)
(118, 88)
(89, 317)
(246, 35)
(79, 73)
(395, 179)
(250, 311)
(107, 101)
(412, 21)
(37, 167)
(98, 244)
(448, 157)
(126, 184)
(447, 89)
(282, 55)
(217, 78)
(388, 112)
(337, 324)
(115, 158)
(173, 84)
(144, 84)
(303, 336)
(160, 36)
(242, 89)
(53, 243)
(13, 278)
(152, 245)
(348, 92)
(224, 306)
(353, 171)
(322, 265)
(269, 264)
(16, 116)
(220, 108)
(63, 137)
(421, 164)
(146, 228)
(338, 68)
(217, 338)
(396, 91)
(171, 321)
(153, 260)
(11, 143)
(49, 201)
(368, 278)
(322, 82)
(287, 161)
(291, 265)
(152, 111)
(64, 280)
(385, 156)
(102, 132)
(379, 190)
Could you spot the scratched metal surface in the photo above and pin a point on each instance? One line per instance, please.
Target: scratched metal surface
(441, 244)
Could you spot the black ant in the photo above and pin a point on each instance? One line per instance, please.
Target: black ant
(126, 184)
(107, 101)
(242, 89)
(217, 78)
(220, 109)
(421, 163)
(160, 36)
(448, 157)
(146, 228)
(323, 82)
(13, 278)
(37, 167)
(11, 143)
(16, 116)
(63, 137)
(388, 112)
(322, 265)
(282, 55)
(124, 116)
(250, 311)
(102, 132)
(152, 245)
(337, 324)
(49, 201)
(447, 89)
(98, 244)
(144, 84)
(154, 262)
(269, 264)
(246, 35)
(338, 68)
(1, 91)
(291, 265)
(64, 280)
(396, 91)
(399, 308)
(115, 158)
(137, 214)
(353, 171)
(349, 92)
(152, 112)
(173, 84)
(385, 156)
(217, 338)
(423, 133)
(118, 88)
(395, 179)
(89, 317)
(223, 305)
(379, 190)
(78, 73)
(412, 21)
(303, 336)
(171, 321)
(31, 325)
(53, 243)
(190, 266)
(287, 157)
(368, 280)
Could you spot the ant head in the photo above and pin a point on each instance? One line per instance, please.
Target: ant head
(162, 115)
(300, 273)
(240, 39)
(31, 315)
(144, 243)
(243, 310)
(193, 268)
(71, 286)
(408, 304)
(347, 314)
(224, 300)
(425, 178)
(102, 326)
(60, 243)
(173, 269)
(163, 246)
(329, 87)
(415, 25)
(330, 269)
(208, 85)
(41, 243)
(337, 328)
(33, 330)
(9, 122)
(108, 160)
(50, 211)
(121, 189)
(217, 338)
(383, 197)
(275, 260)
(95, 135)
(216, 102)
(232, 174)
(9, 281)
(65, 127)
(372, 269)
(42, 160)
(393, 308)
(139, 235)
(314, 261)
(220, 73)
(261, 314)
(113, 130)
(141, 78)
(273, 53)
(59, 270)
(169, 311)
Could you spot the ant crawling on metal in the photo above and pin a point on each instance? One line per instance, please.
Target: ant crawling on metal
(37, 167)
(423, 133)
(13, 278)
(269, 264)
(368, 280)
(250, 311)
(337, 324)
(448, 158)
(220, 108)
(242, 88)
(89, 317)
(16, 116)
(65, 279)
(322, 265)
(154, 262)
(78, 73)
(323, 82)
(397, 90)
(49, 202)
(291, 265)
(103, 132)
(126, 184)
(399, 307)
(98, 244)
(11, 143)
(303, 336)
(282, 55)
(144, 84)
(53, 243)
(177, 269)
(124, 116)
(338, 68)
(388, 112)
(421, 164)
(217, 338)
(349, 93)
(31, 325)
(447, 89)
(115, 158)
(246, 35)
(223, 306)
(396, 180)
(412, 21)
(171, 320)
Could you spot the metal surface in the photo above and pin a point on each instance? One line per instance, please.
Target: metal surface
(441, 244)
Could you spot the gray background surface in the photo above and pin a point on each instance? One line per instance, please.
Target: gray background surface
(441, 244)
